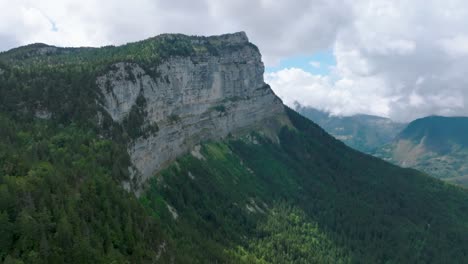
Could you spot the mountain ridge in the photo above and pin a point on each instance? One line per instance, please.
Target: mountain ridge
(143, 49)
(194, 89)
(437, 131)
(362, 132)
(434, 144)
(237, 177)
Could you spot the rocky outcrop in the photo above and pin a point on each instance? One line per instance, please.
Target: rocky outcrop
(193, 99)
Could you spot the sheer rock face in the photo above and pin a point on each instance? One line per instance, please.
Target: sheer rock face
(193, 99)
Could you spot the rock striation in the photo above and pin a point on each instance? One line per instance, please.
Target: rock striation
(193, 99)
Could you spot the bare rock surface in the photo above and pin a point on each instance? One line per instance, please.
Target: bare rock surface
(193, 99)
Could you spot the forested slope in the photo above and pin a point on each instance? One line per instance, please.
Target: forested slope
(266, 195)
(308, 199)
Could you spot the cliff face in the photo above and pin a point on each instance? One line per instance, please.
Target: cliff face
(193, 99)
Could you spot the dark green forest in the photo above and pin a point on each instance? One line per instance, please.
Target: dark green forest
(303, 198)
(61, 200)
(309, 199)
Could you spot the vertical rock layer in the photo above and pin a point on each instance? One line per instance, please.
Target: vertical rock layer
(193, 99)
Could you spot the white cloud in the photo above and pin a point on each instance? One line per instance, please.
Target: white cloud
(455, 46)
(340, 97)
(279, 28)
(403, 59)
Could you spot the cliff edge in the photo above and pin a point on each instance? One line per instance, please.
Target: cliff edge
(194, 98)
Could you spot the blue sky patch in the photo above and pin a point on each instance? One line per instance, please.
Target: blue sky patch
(319, 63)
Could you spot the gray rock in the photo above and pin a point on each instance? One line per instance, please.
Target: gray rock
(194, 99)
(121, 87)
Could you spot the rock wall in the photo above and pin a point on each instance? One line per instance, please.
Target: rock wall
(193, 99)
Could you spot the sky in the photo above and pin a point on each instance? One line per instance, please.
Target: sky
(402, 59)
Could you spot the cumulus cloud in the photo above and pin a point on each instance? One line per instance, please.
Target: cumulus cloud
(401, 59)
(338, 96)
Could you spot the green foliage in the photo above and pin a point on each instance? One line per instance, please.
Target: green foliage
(204, 194)
(63, 159)
(220, 108)
(61, 200)
(305, 199)
(148, 53)
(67, 93)
(288, 235)
(309, 199)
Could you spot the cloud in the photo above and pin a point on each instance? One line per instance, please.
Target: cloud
(341, 97)
(280, 29)
(402, 59)
(456, 46)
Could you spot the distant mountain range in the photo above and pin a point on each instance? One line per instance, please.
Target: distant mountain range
(436, 145)
(365, 133)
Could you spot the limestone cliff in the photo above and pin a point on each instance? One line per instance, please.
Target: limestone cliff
(194, 98)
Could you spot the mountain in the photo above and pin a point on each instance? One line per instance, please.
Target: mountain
(437, 145)
(362, 132)
(174, 150)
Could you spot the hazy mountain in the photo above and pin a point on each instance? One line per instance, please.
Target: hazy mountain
(362, 132)
(174, 150)
(437, 145)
